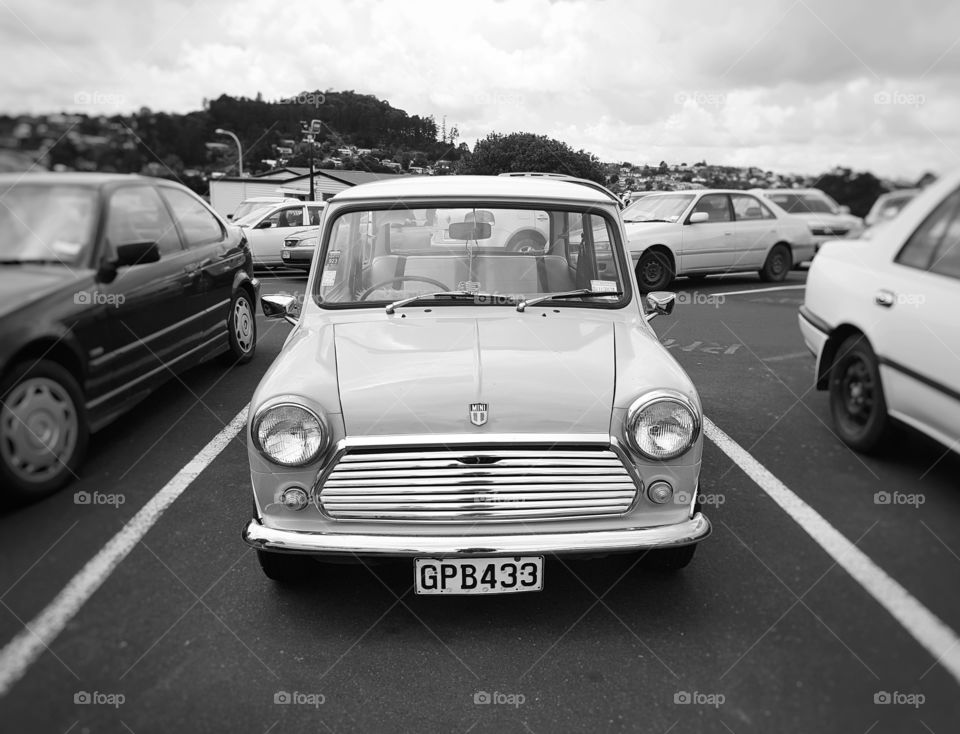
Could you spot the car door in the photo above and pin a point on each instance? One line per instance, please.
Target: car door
(267, 235)
(211, 254)
(755, 232)
(152, 326)
(707, 245)
(916, 336)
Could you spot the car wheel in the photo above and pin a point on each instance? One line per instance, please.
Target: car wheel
(670, 559)
(778, 264)
(857, 403)
(241, 329)
(654, 271)
(285, 568)
(528, 244)
(43, 430)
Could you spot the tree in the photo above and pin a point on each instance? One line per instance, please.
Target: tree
(516, 152)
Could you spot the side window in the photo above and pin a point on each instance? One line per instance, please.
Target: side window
(290, 217)
(946, 260)
(314, 212)
(136, 214)
(716, 206)
(199, 226)
(747, 208)
(918, 252)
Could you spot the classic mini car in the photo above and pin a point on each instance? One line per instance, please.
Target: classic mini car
(471, 408)
(267, 228)
(881, 318)
(109, 284)
(696, 233)
(826, 219)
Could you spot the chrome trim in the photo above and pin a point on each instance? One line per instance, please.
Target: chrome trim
(258, 416)
(477, 439)
(451, 546)
(656, 396)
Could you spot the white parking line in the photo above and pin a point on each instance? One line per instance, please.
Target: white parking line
(24, 649)
(760, 290)
(925, 627)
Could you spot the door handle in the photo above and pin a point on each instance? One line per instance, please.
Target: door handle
(884, 298)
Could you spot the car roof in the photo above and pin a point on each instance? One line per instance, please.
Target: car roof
(76, 178)
(699, 191)
(471, 187)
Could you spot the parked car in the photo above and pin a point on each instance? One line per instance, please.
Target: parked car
(881, 318)
(471, 408)
(266, 229)
(696, 233)
(827, 219)
(109, 284)
(258, 203)
(299, 249)
(889, 205)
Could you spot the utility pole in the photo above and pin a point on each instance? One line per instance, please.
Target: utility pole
(310, 131)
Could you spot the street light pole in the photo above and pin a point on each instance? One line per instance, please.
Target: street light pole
(221, 131)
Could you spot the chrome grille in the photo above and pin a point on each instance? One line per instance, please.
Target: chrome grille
(470, 484)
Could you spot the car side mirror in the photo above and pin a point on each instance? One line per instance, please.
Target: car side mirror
(660, 303)
(132, 253)
(698, 217)
(278, 306)
(265, 224)
(230, 217)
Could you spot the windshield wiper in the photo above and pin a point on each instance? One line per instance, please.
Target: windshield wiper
(391, 307)
(635, 221)
(565, 294)
(32, 261)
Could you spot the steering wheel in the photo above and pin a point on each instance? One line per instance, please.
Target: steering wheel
(400, 279)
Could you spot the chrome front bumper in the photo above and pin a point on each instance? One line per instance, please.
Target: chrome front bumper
(368, 544)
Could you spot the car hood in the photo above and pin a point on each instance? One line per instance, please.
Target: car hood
(421, 375)
(641, 232)
(21, 285)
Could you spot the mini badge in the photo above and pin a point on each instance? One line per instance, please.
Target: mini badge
(478, 413)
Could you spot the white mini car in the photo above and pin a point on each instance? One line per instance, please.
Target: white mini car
(881, 318)
(470, 407)
(696, 233)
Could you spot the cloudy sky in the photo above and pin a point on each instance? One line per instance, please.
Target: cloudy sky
(792, 85)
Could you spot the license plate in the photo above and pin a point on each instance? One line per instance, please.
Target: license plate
(478, 575)
(285, 255)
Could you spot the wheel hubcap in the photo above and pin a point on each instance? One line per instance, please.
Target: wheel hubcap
(243, 324)
(38, 429)
(652, 271)
(857, 392)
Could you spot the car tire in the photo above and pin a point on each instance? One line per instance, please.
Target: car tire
(778, 264)
(241, 329)
(43, 430)
(857, 403)
(654, 271)
(528, 243)
(670, 559)
(285, 568)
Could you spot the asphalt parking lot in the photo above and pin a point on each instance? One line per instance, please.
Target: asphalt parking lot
(778, 625)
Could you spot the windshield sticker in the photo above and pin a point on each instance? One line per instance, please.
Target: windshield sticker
(604, 286)
(328, 279)
(62, 247)
(333, 259)
(470, 286)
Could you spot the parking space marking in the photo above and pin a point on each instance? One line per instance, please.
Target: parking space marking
(38, 634)
(759, 290)
(922, 624)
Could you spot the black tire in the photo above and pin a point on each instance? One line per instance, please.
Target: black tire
(654, 271)
(241, 329)
(857, 403)
(285, 568)
(43, 430)
(778, 264)
(670, 559)
(527, 242)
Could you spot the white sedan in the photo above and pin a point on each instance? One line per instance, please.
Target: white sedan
(881, 318)
(266, 229)
(697, 233)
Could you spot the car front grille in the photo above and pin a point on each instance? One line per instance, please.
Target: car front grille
(466, 485)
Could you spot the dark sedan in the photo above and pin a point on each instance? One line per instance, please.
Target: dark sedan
(109, 285)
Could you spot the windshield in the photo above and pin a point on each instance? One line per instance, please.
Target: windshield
(249, 207)
(804, 203)
(52, 223)
(657, 208)
(489, 256)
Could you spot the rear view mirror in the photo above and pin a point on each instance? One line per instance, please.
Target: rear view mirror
(698, 217)
(469, 231)
(137, 253)
(660, 303)
(277, 306)
(265, 224)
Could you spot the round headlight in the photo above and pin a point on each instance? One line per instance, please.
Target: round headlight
(289, 435)
(663, 426)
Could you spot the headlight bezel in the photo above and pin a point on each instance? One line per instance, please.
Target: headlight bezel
(662, 396)
(265, 409)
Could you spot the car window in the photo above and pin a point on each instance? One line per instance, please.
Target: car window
(291, 216)
(749, 207)
(918, 252)
(137, 214)
(805, 203)
(314, 212)
(47, 222)
(715, 205)
(946, 259)
(199, 226)
(661, 208)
